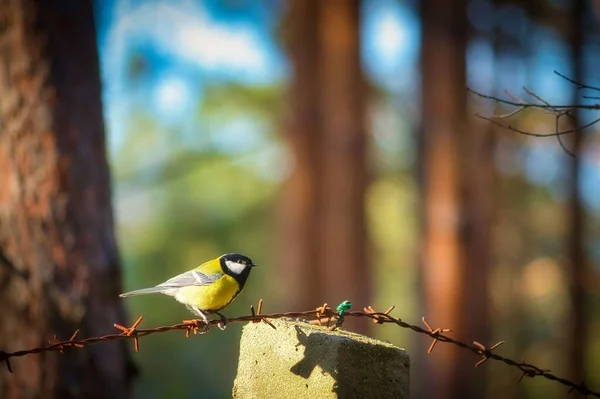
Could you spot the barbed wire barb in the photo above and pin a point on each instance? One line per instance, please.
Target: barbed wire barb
(485, 352)
(434, 333)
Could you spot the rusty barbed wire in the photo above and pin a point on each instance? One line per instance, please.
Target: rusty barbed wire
(319, 315)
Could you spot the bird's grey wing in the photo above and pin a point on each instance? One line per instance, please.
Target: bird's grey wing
(192, 277)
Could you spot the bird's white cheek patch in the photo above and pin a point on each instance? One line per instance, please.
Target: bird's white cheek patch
(235, 267)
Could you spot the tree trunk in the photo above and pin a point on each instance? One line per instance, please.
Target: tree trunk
(577, 334)
(477, 205)
(345, 272)
(455, 176)
(298, 213)
(324, 239)
(59, 265)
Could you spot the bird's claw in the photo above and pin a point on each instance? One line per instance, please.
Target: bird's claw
(222, 324)
(206, 328)
(205, 321)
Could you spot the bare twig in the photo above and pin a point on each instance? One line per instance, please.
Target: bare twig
(541, 104)
(576, 83)
(559, 138)
(526, 133)
(589, 107)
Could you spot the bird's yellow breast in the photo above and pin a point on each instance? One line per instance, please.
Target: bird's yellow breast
(212, 297)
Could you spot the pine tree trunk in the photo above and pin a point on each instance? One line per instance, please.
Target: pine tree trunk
(324, 238)
(59, 265)
(456, 177)
(298, 212)
(343, 238)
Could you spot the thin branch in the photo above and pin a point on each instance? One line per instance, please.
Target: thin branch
(526, 133)
(557, 110)
(589, 107)
(548, 108)
(525, 105)
(576, 83)
(540, 99)
(559, 139)
(508, 115)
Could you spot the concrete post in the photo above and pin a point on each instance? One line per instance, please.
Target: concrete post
(300, 360)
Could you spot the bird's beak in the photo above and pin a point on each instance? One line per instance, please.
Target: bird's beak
(253, 265)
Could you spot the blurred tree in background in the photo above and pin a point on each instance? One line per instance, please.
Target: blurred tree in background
(456, 173)
(323, 238)
(59, 265)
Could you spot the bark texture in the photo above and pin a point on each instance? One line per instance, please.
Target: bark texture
(59, 265)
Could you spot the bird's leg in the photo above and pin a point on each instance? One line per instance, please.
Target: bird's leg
(198, 312)
(224, 321)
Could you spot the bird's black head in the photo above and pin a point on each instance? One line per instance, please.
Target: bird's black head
(237, 266)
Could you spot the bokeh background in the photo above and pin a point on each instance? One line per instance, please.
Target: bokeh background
(335, 144)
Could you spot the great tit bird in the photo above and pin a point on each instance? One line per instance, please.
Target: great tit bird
(208, 288)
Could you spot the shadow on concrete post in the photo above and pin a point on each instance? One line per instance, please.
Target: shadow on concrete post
(300, 360)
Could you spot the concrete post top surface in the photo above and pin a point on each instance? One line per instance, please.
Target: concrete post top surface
(298, 360)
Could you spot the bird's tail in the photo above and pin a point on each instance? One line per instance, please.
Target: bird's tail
(145, 291)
